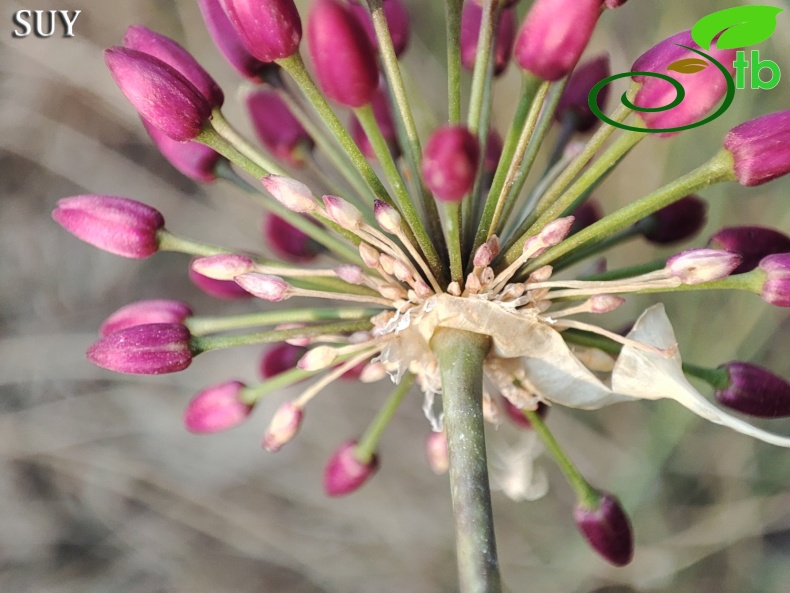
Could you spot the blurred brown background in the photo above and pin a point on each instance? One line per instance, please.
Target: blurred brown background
(101, 489)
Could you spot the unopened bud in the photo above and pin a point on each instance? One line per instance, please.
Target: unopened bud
(696, 266)
(574, 105)
(752, 243)
(276, 127)
(343, 212)
(221, 289)
(291, 193)
(151, 349)
(388, 219)
(279, 359)
(605, 303)
(449, 162)
(759, 148)
(144, 312)
(679, 221)
(755, 391)
(350, 273)
(607, 529)
(370, 257)
(283, 427)
(776, 288)
(317, 358)
(217, 408)
(345, 473)
(372, 372)
(270, 29)
(223, 266)
(264, 286)
(288, 242)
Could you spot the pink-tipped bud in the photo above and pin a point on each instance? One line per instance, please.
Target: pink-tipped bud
(776, 288)
(517, 416)
(574, 105)
(483, 256)
(291, 193)
(397, 22)
(493, 153)
(226, 290)
(302, 342)
(317, 358)
(144, 312)
(760, 148)
(224, 266)
(151, 349)
(449, 163)
(196, 161)
(344, 59)
(283, 427)
(605, 303)
(752, 243)
(703, 88)
(270, 29)
(585, 215)
(160, 94)
(345, 473)
(280, 358)
(383, 114)
(119, 225)
(607, 529)
(696, 266)
(370, 257)
(354, 373)
(217, 408)
(679, 221)
(288, 242)
(754, 390)
(552, 234)
(350, 273)
(342, 212)
(264, 286)
(277, 128)
(372, 372)
(387, 217)
(171, 53)
(471, 16)
(554, 35)
(437, 453)
(402, 271)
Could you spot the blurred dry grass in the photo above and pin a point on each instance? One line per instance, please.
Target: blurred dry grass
(102, 490)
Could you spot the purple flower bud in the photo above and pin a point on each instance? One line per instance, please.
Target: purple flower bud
(585, 215)
(171, 53)
(159, 93)
(696, 266)
(264, 286)
(574, 102)
(755, 391)
(150, 349)
(344, 59)
(270, 29)
(776, 288)
(345, 473)
(226, 290)
(283, 427)
(276, 127)
(217, 408)
(288, 242)
(471, 17)
(397, 22)
(679, 221)
(145, 312)
(383, 114)
(119, 225)
(607, 529)
(760, 148)
(517, 416)
(703, 88)
(193, 159)
(554, 35)
(449, 163)
(752, 243)
(280, 358)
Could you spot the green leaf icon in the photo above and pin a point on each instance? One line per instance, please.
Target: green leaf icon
(688, 65)
(738, 27)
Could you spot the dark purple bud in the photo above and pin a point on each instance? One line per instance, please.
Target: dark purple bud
(270, 29)
(554, 35)
(217, 408)
(151, 349)
(193, 159)
(162, 96)
(471, 17)
(144, 312)
(517, 416)
(755, 391)
(449, 163)
(760, 148)
(585, 215)
(776, 288)
(344, 59)
(607, 529)
(226, 290)
(277, 128)
(397, 22)
(171, 53)
(280, 358)
(752, 243)
(679, 221)
(288, 242)
(383, 114)
(345, 473)
(574, 102)
(119, 225)
(493, 152)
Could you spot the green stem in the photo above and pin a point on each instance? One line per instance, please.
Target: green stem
(461, 355)
(453, 226)
(485, 43)
(453, 10)
(229, 133)
(199, 326)
(367, 445)
(170, 242)
(750, 282)
(251, 395)
(599, 247)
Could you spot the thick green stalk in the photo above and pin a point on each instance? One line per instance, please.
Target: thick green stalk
(461, 355)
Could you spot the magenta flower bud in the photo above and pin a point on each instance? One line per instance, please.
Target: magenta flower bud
(696, 266)
(344, 59)
(345, 473)
(703, 88)
(144, 312)
(193, 159)
(283, 427)
(607, 529)
(397, 22)
(437, 453)
(493, 152)
(574, 103)
(270, 29)
(171, 53)
(449, 163)
(355, 372)
(585, 215)
(517, 416)
(160, 94)
(226, 290)
(288, 242)
(223, 266)
(471, 16)
(554, 35)
(119, 225)
(217, 408)
(269, 288)
(776, 288)
(679, 221)
(752, 243)
(151, 349)
(760, 148)
(276, 127)
(383, 114)
(280, 358)
(754, 390)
